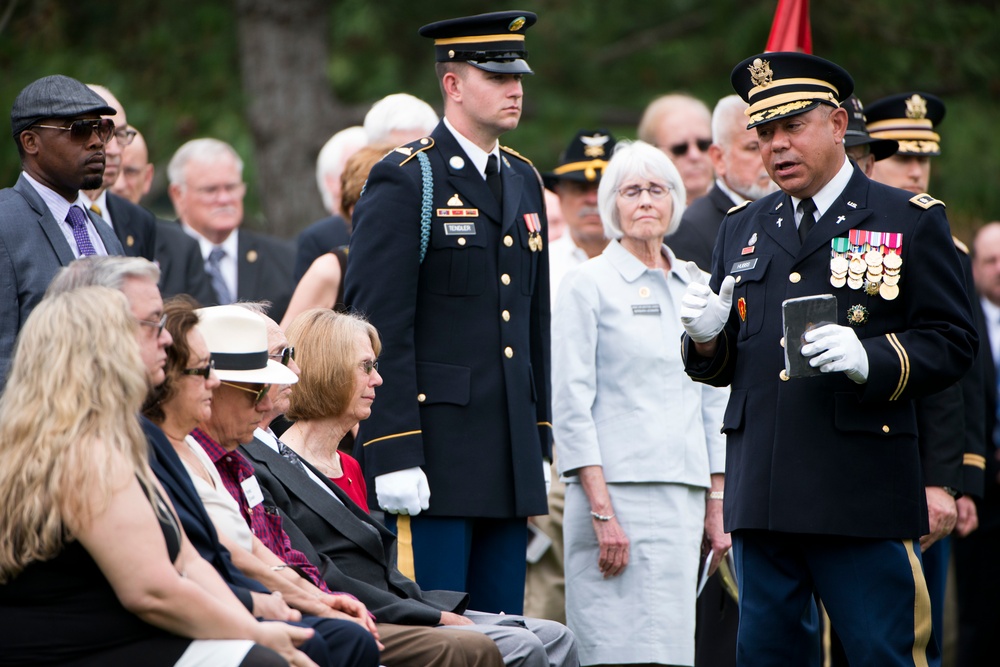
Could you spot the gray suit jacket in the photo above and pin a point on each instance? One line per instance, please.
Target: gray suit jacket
(355, 553)
(32, 250)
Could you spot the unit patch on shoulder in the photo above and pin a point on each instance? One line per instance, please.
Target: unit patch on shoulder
(925, 201)
(739, 207)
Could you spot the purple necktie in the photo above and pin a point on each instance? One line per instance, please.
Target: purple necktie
(78, 221)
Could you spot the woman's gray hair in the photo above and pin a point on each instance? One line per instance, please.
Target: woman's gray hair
(637, 159)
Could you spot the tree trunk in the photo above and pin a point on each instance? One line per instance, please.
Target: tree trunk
(291, 109)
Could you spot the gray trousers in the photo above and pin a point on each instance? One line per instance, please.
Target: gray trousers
(526, 642)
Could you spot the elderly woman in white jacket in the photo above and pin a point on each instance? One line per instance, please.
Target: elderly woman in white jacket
(639, 442)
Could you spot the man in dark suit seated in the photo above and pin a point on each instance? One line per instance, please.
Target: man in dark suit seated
(207, 190)
(337, 643)
(134, 225)
(61, 138)
(739, 176)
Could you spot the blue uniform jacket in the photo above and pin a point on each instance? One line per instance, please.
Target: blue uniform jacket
(825, 455)
(465, 333)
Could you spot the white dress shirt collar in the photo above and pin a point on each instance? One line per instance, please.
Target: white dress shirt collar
(477, 156)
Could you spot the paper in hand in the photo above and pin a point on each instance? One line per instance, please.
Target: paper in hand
(799, 316)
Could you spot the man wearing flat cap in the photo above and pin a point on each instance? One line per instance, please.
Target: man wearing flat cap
(824, 486)
(449, 261)
(60, 136)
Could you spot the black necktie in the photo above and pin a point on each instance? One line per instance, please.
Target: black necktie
(493, 178)
(808, 210)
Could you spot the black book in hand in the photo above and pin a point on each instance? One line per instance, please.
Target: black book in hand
(799, 316)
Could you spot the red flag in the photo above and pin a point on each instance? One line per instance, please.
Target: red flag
(790, 30)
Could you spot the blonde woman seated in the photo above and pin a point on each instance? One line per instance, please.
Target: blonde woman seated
(182, 402)
(94, 566)
(639, 442)
(322, 285)
(337, 355)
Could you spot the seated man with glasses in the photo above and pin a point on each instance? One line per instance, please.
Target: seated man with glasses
(207, 191)
(134, 225)
(61, 139)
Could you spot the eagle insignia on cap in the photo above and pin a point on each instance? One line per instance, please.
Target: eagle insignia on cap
(916, 107)
(516, 24)
(594, 145)
(760, 72)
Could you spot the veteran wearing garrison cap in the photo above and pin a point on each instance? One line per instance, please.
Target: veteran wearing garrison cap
(449, 261)
(44, 225)
(824, 491)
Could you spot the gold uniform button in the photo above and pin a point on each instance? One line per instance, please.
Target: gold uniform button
(505, 315)
(782, 341)
(461, 240)
(885, 428)
(421, 398)
(505, 279)
(783, 375)
(794, 277)
(739, 278)
(508, 240)
(508, 352)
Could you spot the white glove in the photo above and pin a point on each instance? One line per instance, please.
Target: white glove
(703, 312)
(836, 348)
(547, 474)
(403, 491)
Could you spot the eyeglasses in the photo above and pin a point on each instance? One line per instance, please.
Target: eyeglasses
(213, 191)
(155, 324)
(81, 130)
(678, 150)
(204, 371)
(368, 366)
(286, 355)
(655, 190)
(259, 394)
(125, 136)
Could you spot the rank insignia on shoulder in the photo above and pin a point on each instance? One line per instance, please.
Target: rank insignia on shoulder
(925, 201)
(513, 152)
(958, 244)
(738, 207)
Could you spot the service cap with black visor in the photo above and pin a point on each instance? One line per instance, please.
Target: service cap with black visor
(492, 42)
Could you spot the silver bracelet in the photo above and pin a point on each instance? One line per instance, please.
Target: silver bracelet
(602, 517)
(716, 495)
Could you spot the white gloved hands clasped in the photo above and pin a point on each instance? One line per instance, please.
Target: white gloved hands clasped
(836, 348)
(403, 491)
(703, 312)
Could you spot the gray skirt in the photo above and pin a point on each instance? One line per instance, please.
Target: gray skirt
(647, 613)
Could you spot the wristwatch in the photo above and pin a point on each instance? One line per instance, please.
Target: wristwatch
(953, 492)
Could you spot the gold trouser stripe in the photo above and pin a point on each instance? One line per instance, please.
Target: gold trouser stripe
(476, 39)
(974, 460)
(921, 608)
(826, 640)
(904, 365)
(390, 437)
(404, 547)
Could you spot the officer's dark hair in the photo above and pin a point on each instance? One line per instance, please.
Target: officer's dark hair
(440, 69)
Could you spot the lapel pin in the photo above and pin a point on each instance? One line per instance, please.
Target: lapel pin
(251, 256)
(852, 204)
(456, 162)
(778, 222)
(840, 219)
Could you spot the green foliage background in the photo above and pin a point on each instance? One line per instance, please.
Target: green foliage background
(175, 66)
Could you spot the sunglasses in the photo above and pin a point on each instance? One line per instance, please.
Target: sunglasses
(82, 130)
(286, 355)
(259, 394)
(204, 371)
(155, 324)
(678, 150)
(368, 366)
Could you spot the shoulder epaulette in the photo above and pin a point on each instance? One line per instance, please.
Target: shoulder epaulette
(407, 152)
(513, 152)
(925, 201)
(739, 207)
(960, 245)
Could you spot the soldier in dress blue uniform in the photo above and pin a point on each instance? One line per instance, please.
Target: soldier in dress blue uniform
(824, 492)
(448, 261)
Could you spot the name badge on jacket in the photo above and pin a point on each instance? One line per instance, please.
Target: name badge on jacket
(646, 309)
(251, 489)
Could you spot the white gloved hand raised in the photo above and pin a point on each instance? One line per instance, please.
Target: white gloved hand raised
(403, 491)
(703, 312)
(836, 348)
